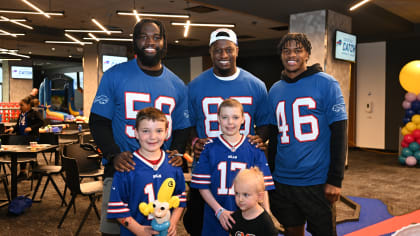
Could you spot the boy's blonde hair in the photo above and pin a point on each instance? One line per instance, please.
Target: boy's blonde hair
(252, 176)
(151, 113)
(230, 102)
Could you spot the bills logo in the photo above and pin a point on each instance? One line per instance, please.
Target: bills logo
(339, 42)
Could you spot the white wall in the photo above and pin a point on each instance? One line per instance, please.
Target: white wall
(370, 121)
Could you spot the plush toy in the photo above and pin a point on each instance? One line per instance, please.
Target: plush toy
(160, 208)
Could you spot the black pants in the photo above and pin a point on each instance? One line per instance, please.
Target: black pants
(193, 217)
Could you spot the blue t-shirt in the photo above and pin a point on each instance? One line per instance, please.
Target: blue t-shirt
(303, 112)
(129, 189)
(125, 89)
(206, 92)
(216, 169)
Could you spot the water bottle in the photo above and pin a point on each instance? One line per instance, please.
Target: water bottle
(79, 127)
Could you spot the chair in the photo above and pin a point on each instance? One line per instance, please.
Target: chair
(3, 178)
(49, 171)
(91, 189)
(48, 138)
(87, 160)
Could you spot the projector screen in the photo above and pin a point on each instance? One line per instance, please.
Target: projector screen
(110, 61)
(345, 46)
(21, 72)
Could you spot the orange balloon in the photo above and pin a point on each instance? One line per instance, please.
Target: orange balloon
(410, 77)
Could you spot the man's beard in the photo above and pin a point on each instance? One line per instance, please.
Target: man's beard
(147, 60)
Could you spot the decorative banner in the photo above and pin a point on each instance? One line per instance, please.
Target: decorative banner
(410, 77)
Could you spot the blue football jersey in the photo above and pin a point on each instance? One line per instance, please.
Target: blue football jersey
(206, 92)
(303, 112)
(129, 189)
(216, 169)
(125, 89)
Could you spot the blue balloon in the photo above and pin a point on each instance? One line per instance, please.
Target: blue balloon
(406, 152)
(401, 159)
(415, 105)
(406, 120)
(414, 146)
(409, 113)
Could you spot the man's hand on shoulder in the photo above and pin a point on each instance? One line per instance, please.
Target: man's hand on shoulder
(175, 158)
(198, 146)
(124, 162)
(257, 141)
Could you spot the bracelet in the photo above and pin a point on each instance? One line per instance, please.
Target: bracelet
(219, 212)
(193, 142)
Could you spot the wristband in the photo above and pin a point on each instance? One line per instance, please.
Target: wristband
(193, 142)
(219, 212)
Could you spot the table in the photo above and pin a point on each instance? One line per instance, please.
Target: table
(20, 150)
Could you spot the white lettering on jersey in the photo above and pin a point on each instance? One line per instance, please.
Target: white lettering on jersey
(130, 113)
(211, 117)
(298, 121)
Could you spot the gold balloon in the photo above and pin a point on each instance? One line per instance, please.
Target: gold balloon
(404, 131)
(410, 77)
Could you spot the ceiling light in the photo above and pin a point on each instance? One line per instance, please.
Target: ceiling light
(36, 8)
(93, 36)
(100, 26)
(357, 5)
(17, 34)
(136, 14)
(65, 42)
(127, 13)
(7, 33)
(16, 22)
(13, 53)
(92, 31)
(203, 24)
(187, 28)
(55, 13)
(10, 59)
(74, 39)
(111, 39)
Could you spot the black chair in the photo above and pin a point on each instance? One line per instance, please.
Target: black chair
(3, 178)
(48, 138)
(48, 171)
(87, 158)
(91, 189)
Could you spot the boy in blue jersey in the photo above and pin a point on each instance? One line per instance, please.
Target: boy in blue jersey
(127, 88)
(218, 165)
(205, 93)
(142, 184)
(310, 143)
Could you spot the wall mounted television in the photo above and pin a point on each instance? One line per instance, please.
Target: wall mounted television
(110, 61)
(345, 46)
(21, 72)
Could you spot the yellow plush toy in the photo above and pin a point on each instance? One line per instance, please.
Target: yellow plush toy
(160, 208)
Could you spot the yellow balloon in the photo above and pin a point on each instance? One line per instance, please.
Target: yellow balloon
(410, 126)
(410, 77)
(404, 131)
(418, 126)
(416, 119)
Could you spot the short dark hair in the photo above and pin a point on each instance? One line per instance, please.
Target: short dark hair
(150, 113)
(27, 100)
(299, 38)
(139, 26)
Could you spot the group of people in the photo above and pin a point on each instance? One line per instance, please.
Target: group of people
(143, 115)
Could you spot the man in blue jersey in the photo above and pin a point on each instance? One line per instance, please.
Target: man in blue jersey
(205, 93)
(127, 88)
(311, 141)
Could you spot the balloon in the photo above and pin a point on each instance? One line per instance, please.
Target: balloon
(406, 152)
(416, 134)
(410, 161)
(418, 126)
(415, 106)
(410, 97)
(401, 159)
(409, 138)
(406, 120)
(406, 104)
(414, 146)
(405, 131)
(411, 126)
(404, 144)
(409, 113)
(416, 119)
(418, 97)
(417, 155)
(409, 77)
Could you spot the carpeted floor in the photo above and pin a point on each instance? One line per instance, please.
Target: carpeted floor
(369, 175)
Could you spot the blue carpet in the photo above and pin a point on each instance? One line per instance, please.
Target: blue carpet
(372, 211)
